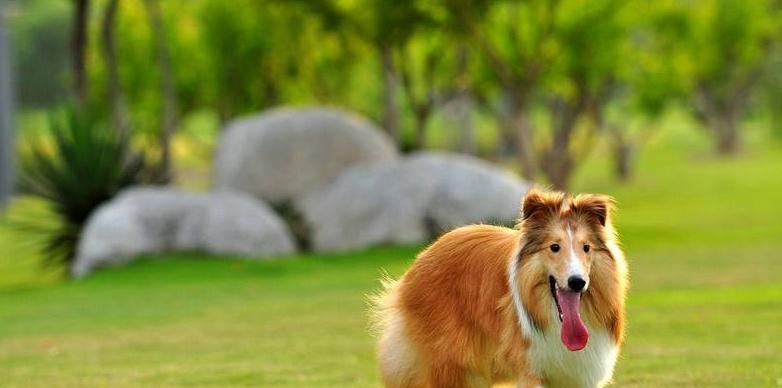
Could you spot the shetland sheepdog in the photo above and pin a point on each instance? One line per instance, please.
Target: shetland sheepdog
(538, 305)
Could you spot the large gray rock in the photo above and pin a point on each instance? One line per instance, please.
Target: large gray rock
(468, 190)
(284, 153)
(368, 206)
(235, 224)
(408, 201)
(149, 220)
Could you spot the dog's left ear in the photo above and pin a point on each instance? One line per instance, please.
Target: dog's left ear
(595, 206)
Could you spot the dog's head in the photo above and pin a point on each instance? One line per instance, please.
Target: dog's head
(566, 239)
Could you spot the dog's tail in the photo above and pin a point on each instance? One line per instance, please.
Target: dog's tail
(397, 358)
(382, 304)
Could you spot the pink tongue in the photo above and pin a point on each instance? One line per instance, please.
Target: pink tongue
(574, 334)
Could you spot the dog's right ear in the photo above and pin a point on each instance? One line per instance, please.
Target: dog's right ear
(539, 203)
(532, 204)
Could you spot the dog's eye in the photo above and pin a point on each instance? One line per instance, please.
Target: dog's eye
(586, 248)
(554, 248)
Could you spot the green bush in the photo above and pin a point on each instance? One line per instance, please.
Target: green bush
(76, 165)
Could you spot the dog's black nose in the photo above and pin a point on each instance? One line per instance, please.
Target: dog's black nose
(576, 283)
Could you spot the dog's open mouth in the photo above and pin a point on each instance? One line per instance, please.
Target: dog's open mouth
(553, 287)
(574, 333)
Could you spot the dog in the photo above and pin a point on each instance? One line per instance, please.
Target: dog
(541, 304)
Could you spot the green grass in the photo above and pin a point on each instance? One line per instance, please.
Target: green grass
(703, 237)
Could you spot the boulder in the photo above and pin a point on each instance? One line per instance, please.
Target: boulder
(409, 201)
(284, 153)
(368, 206)
(147, 220)
(234, 223)
(113, 236)
(468, 190)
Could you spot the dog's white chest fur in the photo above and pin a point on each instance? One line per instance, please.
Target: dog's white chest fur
(589, 367)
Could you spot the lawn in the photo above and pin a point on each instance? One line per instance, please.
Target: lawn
(703, 237)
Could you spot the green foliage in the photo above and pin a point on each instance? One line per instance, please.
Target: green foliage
(393, 22)
(239, 65)
(588, 38)
(80, 164)
(519, 34)
(238, 57)
(651, 71)
(718, 48)
(730, 37)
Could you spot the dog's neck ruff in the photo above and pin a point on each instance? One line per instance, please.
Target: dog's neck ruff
(527, 325)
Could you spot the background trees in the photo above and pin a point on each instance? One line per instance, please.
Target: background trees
(245, 73)
(587, 44)
(79, 41)
(539, 82)
(515, 39)
(728, 43)
(6, 133)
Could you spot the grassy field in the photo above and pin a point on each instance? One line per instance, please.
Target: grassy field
(703, 237)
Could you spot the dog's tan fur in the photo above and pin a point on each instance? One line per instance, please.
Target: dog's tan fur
(450, 321)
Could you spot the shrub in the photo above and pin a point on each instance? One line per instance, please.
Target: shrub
(76, 165)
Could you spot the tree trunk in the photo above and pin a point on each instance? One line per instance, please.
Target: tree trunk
(6, 118)
(558, 162)
(271, 93)
(727, 132)
(465, 123)
(525, 149)
(421, 119)
(722, 118)
(116, 98)
(390, 102)
(624, 155)
(78, 50)
(506, 138)
(465, 104)
(170, 115)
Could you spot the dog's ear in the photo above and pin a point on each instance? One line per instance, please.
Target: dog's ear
(538, 204)
(594, 206)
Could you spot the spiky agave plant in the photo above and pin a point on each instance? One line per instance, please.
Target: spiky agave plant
(79, 164)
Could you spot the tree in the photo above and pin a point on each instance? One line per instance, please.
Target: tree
(435, 66)
(390, 25)
(419, 62)
(560, 56)
(647, 82)
(394, 24)
(421, 103)
(119, 113)
(170, 113)
(253, 48)
(6, 117)
(78, 48)
(727, 45)
(514, 38)
(463, 100)
(587, 41)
